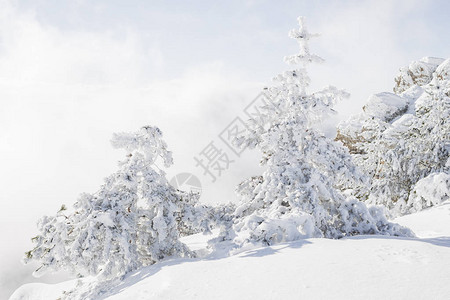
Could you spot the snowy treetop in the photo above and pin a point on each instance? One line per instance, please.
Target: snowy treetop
(148, 140)
(302, 36)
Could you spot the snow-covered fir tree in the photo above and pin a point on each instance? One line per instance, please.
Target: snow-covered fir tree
(135, 218)
(400, 139)
(301, 192)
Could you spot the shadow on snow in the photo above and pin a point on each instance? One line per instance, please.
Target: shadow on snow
(135, 277)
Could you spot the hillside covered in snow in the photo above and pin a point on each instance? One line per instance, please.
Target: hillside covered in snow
(362, 267)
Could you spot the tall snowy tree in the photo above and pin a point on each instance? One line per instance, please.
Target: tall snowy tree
(133, 220)
(301, 192)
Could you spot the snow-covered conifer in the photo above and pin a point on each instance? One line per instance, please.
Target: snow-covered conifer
(133, 220)
(300, 193)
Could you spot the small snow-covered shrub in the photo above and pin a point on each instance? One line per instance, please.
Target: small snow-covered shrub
(429, 191)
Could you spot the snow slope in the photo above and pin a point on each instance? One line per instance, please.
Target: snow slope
(363, 267)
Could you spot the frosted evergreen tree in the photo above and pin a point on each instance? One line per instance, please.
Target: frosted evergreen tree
(135, 218)
(301, 192)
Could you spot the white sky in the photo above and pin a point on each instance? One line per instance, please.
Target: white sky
(74, 72)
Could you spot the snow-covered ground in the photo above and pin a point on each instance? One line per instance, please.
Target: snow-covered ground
(363, 267)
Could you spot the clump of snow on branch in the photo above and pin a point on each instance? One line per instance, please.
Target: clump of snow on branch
(429, 191)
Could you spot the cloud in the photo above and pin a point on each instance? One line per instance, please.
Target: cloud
(364, 45)
(34, 53)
